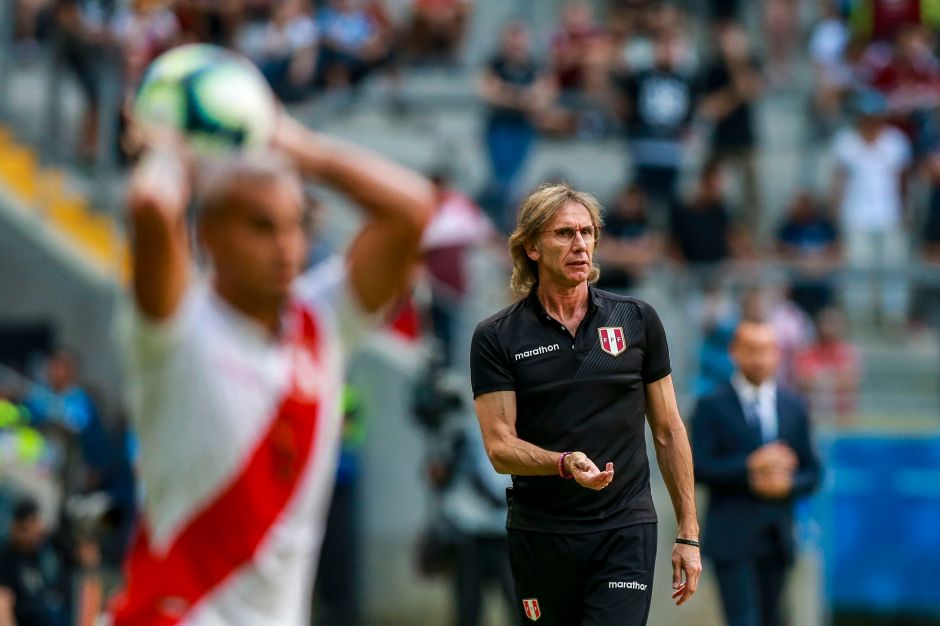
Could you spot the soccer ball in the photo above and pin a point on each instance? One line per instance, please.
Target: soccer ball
(217, 99)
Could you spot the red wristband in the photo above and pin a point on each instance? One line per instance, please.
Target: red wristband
(561, 466)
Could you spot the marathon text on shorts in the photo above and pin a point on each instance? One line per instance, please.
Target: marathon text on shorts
(619, 584)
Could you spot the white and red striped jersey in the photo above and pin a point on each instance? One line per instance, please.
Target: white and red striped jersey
(239, 434)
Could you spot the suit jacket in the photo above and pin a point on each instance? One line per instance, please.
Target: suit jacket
(739, 524)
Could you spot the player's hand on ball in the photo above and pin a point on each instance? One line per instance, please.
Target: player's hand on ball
(586, 473)
(161, 179)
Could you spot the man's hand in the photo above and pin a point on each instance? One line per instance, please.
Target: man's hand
(686, 570)
(585, 472)
(772, 484)
(770, 470)
(161, 180)
(774, 456)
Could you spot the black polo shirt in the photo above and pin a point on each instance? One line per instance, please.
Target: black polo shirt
(572, 394)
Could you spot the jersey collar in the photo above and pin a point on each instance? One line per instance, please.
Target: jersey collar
(594, 301)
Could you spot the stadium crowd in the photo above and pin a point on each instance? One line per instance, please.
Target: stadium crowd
(672, 84)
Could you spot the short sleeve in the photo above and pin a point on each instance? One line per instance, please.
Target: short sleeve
(489, 368)
(148, 341)
(656, 363)
(327, 287)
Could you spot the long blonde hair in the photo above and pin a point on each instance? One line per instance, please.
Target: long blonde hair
(534, 213)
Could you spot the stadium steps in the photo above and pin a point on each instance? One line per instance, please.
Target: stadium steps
(900, 388)
(66, 214)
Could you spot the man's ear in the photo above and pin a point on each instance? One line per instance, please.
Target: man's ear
(532, 251)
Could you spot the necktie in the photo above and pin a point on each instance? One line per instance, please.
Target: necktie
(752, 412)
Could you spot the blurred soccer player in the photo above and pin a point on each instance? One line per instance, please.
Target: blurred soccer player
(236, 379)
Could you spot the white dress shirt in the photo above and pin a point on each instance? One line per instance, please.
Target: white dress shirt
(763, 399)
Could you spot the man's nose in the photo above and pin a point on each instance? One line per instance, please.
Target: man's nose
(578, 243)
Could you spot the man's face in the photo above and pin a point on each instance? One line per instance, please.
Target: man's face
(755, 351)
(516, 42)
(565, 247)
(258, 243)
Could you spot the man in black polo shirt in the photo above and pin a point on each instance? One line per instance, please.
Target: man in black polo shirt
(564, 377)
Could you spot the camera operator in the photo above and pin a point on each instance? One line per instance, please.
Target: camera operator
(467, 532)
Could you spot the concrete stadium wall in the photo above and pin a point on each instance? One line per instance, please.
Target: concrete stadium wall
(41, 279)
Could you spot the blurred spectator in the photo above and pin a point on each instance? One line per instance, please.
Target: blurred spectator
(782, 32)
(793, 328)
(872, 160)
(880, 20)
(142, 31)
(211, 21)
(570, 44)
(457, 227)
(28, 24)
(517, 92)
(437, 30)
(285, 48)
(60, 398)
(911, 83)
(355, 41)
(579, 50)
(925, 308)
(474, 502)
(719, 317)
(83, 31)
(702, 232)
(932, 224)
(145, 29)
(832, 73)
(339, 575)
(657, 105)
(808, 243)
(753, 447)
(645, 23)
(628, 247)
(64, 410)
(828, 371)
(35, 588)
(467, 533)
(730, 85)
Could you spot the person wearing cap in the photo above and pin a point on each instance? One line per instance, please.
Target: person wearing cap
(872, 160)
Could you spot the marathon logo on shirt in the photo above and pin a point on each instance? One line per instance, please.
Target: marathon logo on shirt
(619, 584)
(537, 351)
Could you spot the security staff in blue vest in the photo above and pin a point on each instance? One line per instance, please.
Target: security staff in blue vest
(752, 446)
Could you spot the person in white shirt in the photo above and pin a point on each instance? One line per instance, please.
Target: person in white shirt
(872, 159)
(235, 379)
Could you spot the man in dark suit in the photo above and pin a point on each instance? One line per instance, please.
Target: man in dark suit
(752, 446)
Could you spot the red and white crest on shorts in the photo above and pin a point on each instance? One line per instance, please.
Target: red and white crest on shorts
(612, 340)
(532, 610)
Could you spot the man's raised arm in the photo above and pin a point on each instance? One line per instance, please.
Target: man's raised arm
(156, 202)
(398, 203)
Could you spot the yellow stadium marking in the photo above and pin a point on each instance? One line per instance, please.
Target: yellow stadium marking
(95, 235)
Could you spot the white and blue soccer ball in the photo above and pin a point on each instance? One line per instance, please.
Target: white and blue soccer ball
(217, 99)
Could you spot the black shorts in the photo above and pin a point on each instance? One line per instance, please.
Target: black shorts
(592, 579)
